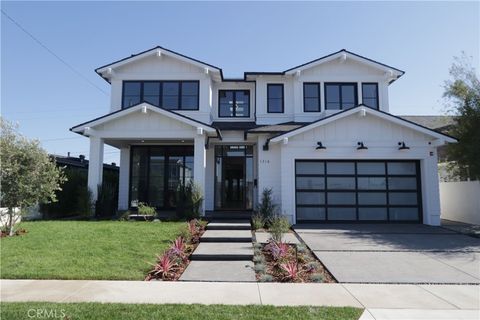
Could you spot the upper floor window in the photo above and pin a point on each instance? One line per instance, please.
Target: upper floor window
(275, 101)
(340, 96)
(234, 103)
(311, 97)
(370, 95)
(172, 95)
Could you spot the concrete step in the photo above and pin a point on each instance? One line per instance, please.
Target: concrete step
(228, 215)
(227, 236)
(225, 271)
(223, 251)
(229, 225)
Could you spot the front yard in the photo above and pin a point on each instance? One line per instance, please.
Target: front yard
(97, 250)
(94, 311)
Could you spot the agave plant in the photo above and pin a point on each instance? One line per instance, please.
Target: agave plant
(291, 268)
(164, 266)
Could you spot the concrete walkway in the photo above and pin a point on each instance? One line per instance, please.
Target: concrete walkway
(369, 296)
(225, 253)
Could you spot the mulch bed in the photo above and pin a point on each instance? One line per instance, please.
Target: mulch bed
(282, 262)
(173, 262)
(18, 232)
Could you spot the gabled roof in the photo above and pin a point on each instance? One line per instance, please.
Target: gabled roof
(341, 54)
(80, 128)
(156, 50)
(378, 113)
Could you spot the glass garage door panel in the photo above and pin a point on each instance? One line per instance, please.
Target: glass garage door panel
(372, 190)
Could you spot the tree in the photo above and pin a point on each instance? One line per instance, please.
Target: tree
(28, 175)
(462, 93)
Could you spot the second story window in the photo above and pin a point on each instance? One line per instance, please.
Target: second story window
(340, 96)
(370, 95)
(172, 95)
(275, 98)
(234, 103)
(311, 97)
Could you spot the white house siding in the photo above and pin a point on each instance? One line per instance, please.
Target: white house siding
(341, 137)
(269, 170)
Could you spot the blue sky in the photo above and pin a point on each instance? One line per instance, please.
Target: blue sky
(46, 98)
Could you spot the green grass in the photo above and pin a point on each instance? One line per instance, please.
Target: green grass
(112, 250)
(97, 311)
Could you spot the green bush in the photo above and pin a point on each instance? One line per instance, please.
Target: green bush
(267, 208)
(189, 200)
(146, 210)
(257, 221)
(278, 226)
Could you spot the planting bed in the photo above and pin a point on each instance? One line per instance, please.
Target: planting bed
(288, 262)
(175, 259)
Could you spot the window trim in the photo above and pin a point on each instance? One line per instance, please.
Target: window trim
(180, 82)
(377, 94)
(234, 100)
(319, 97)
(283, 97)
(340, 84)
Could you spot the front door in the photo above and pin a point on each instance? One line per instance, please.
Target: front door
(233, 177)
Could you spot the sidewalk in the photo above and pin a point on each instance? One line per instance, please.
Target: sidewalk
(369, 296)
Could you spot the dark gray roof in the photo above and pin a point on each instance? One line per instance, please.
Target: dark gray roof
(282, 127)
(79, 162)
(234, 125)
(439, 123)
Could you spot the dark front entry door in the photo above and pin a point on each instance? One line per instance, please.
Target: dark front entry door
(233, 178)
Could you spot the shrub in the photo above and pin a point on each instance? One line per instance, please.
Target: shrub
(257, 221)
(107, 202)
(291, 268)
(259, 259)
(278, 226)
(267, 208)
(146, 210)
(317, 277)
(164, 266)
(257, 245)
(278, 250)
(188, 201)
(123, 215)
(260, 267)
(84, 206)
(312, 266)
(301, 248)
(265, 278)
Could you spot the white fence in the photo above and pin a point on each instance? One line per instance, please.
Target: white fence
(460, 201)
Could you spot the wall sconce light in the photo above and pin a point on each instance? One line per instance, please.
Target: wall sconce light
(361, 146)
(320, 146)
(402, 146)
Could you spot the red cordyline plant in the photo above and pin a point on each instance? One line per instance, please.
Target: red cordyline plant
(278, 250)
(292, 270)
(178, 248)
(164, 266)
(193, 229)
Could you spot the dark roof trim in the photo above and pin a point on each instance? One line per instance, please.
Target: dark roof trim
(359, 106)
(172, 112)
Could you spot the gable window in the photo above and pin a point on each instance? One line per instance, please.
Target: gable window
(171, 95)
(311, 97)
(340, 96)
(275, 101)
(234, 103)
(370, 95)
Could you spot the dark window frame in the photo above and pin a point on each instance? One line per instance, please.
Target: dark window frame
(319, 96)
(340, 85)
(234, 100)
(180, 82)
(268, 97)
(357, 206)
(376, 89)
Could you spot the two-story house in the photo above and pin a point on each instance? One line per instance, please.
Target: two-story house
(319, 134)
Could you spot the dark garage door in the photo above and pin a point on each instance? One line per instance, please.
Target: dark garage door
(349, 191)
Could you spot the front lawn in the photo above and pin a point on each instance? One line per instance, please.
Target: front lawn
(94, 311)
(107, 250)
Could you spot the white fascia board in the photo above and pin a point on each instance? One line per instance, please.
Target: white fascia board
(142, 108)
(154, 52)
(368, 111)
(349, 56)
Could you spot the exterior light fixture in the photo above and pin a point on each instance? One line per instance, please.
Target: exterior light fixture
(361, 146)
(402, 146)
(320, 146)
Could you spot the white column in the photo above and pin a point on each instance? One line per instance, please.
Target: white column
(95, 165)
(430, 190)
(123, 180)
(199, 164)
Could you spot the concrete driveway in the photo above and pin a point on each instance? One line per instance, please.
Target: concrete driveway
(395, 253)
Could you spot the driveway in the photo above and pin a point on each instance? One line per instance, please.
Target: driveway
(395, 253)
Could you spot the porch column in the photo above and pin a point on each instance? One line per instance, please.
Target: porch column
(430, 190)
(124, 177)
(199, 164)
(95, 165)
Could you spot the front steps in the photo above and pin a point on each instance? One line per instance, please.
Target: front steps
(225, 253)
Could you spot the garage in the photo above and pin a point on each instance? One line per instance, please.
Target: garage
(358, 191)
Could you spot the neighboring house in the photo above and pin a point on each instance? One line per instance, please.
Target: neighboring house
(80, 163)
(319, 134)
